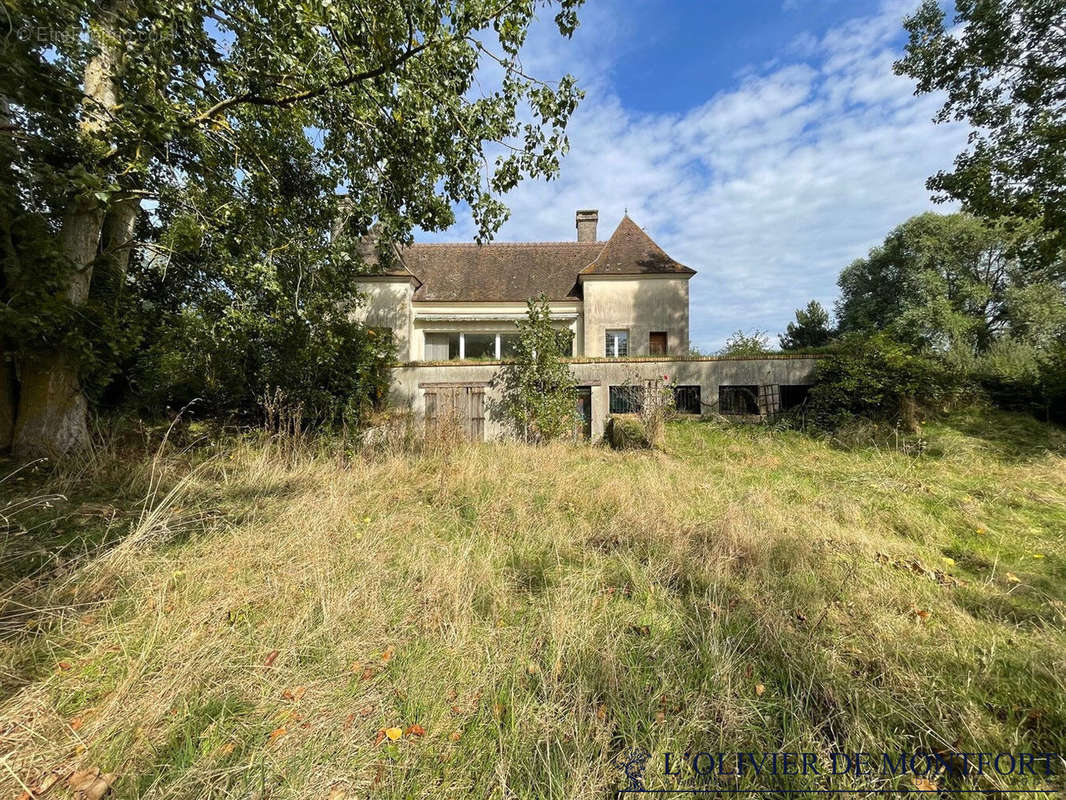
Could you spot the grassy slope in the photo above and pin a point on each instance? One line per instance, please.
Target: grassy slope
(545, 608)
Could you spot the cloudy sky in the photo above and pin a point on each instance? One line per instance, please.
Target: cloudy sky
(765, 143)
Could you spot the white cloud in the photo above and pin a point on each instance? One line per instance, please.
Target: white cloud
(768, 189)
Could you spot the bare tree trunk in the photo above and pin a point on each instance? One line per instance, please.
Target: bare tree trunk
(52, 408)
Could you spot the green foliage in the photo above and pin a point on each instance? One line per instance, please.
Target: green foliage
(538, 397)
(264, 143)
(338, 371)
(810, 330)
(628, 433)
(879, 379)
(999, 63)
(740, 343)
(952, 282)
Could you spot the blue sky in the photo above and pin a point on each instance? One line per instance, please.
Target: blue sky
(764, 143)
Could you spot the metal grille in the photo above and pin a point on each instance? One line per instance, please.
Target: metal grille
(687, 400)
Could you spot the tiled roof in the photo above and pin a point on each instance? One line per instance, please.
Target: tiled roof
(630, 251)
(516, 272)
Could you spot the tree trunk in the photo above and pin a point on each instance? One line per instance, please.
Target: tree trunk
(7, 400)
(52, 408)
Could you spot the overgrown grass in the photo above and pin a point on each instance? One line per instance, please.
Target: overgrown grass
(535, 612)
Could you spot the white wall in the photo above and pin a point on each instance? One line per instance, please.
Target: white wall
(639, 305)
(387, 302)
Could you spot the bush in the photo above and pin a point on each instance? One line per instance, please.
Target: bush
(628, 433)
(879, 379)
(538, 397)
(335, 369)
(1017, 376)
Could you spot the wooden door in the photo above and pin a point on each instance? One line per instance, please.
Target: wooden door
(657, 343)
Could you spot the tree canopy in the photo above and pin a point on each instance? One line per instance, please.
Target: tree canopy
(240, 151)
(811, 328)
(1002, 67)
(952, 281)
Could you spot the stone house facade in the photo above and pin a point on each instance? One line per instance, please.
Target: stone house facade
(452, 310)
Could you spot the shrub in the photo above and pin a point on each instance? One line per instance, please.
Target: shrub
(628, 433)
(538, 397)
(878, 379)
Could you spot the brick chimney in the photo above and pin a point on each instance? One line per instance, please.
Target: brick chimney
(586, 225)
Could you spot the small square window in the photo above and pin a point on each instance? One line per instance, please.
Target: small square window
(626, 399)
(738, 400)
(616, 344)
(657, 343)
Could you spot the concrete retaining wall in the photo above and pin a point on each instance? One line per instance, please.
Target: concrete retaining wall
(410, 380)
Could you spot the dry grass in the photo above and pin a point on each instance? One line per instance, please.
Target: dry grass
(543, 610)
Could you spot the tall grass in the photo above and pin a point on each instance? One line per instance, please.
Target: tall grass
(523, 615)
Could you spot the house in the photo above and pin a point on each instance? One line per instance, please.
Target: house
(620, 297)
(452, 310)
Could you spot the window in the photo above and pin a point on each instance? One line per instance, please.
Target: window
(480, 345)
(738, 399)
(625, 399)
(508, 341)
(793, 396)
(442, 346)
(657, 343)
(617, 344)
(687, 400)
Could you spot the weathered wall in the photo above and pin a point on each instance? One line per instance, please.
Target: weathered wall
(639, 305)
(708, 374)
(387, 302)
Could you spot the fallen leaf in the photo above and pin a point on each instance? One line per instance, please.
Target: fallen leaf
(457, 711)
(380, 737)
(366, 711)
(455, 736)
(924, 784)
(63, 665)
(76, 723)
(601, 713)
(277, 733)
(348, 720)
(368, 673)
(1013, 578)
(227, 748)
(660, 716)
(759, 690)
(532, 668)
(394, 733)
(337, 793)
(415, 730)
(271, 658)
(389, 652)
(294, 694)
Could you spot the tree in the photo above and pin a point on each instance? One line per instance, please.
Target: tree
(1000, 64)
(740, 343)
(949, 282)
(811, 328)
(206, 147)
(538, 397)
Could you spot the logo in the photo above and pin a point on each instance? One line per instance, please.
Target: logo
(632, 762)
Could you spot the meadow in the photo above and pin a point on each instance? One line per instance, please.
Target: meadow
(237, 615)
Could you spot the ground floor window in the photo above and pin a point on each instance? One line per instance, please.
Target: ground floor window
(794, 395)
(738, 399)
(687, 400)
(616, 344)
(625, 399)
(473, 345)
